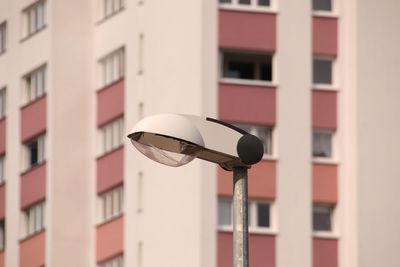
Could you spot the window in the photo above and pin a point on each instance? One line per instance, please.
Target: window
(111, 7)
(322, 217)
(112, 67)
(2, 235)
(2, 102)
(35, 17)
(322, 5)
(247, 66)
(246, 3)
(262, 132)
(2, 179)
(259, 213)
(112, 203)
(322, 71)
(3, 37)
(112, 135)
(35, 84)
(35, 151)
(34, 218)
(114, 262)
(322, 144)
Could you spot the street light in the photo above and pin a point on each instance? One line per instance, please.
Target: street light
(176, 139)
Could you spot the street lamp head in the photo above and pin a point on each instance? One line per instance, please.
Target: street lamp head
(175, 140)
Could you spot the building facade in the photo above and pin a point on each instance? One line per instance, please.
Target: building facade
(315, 80)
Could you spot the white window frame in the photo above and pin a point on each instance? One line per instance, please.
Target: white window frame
(41, 143)
(3, 102)
(2, 235)
(333, 157)
(253, 129)
(117, 261)
(253, 219)
(109, 8)
(325, 13)
(111, 136)
(34, 219)
(333, 233)
(35, 84)
(327, 86)
(34, 18)
(235, 5)
(2, 169)
(111, 204)
(247, 81)
(3, 37)
(112, 67)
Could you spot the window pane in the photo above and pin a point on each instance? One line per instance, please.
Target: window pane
(33, 153)
(2, 169)
(322, 218)
(225, 1)
(322, 5)
(322, 144)
(247, 66)
(244, 2)
(263, 2)
(224, 212)
(265, 135)
(322, 71)
(241, 70)
(263, 215)
(266, 71)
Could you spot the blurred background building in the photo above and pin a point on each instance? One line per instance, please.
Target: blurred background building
(316, 80)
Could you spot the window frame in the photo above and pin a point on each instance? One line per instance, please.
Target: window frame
(112, 67)
(258, 62)
(3, 102)
(111, 135)
(325, 13)
(111, 204)
(252, 216)
(253, 6)
(34, 219)
(3, 37)
(117, 261)
(41, 152)
(35, 84)
(34, 18)
(326, 86)
(271, 141)
(2, 235)
(2, 169)
(333, 148)
(108, 8)
(333, 224)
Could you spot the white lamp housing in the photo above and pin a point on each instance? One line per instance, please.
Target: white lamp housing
(175, 140)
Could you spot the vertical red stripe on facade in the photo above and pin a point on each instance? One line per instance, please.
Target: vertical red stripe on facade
(110, 170)
(247, 104)
(110, 239)
(33, 186)
(325, 183)
(262, 181)
(2, 136)
(32, 251)
(110, 102)
(261, 247)
(324, 109)
(247, 30)
(325, 252)
(33, 119)
(325, 36)
(2, 259)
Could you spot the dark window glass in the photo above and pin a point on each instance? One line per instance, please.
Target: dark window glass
(322, 5)
(263, 2)
(34, 153)
(225, 1)
(244, 2)
(322, 144)
(263, 215)
(322, 71)
(266, 71)
(241, 70)
(322, 218)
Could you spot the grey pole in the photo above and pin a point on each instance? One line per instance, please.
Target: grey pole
(240, 218)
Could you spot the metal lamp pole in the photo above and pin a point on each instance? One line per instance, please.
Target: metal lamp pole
(240, 218)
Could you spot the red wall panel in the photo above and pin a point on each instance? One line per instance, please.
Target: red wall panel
(33, 119)
(325, 252)
(110, 170)
(110, 102)
(261, 183)
(33, 186)
(247, 104)
(2, 201)
(32, 251)
(110, 239)
(325, 187)
(324, 109)
(325, 36)
(247, 30)
(2, 259)
(261, 250)
(2, 136)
